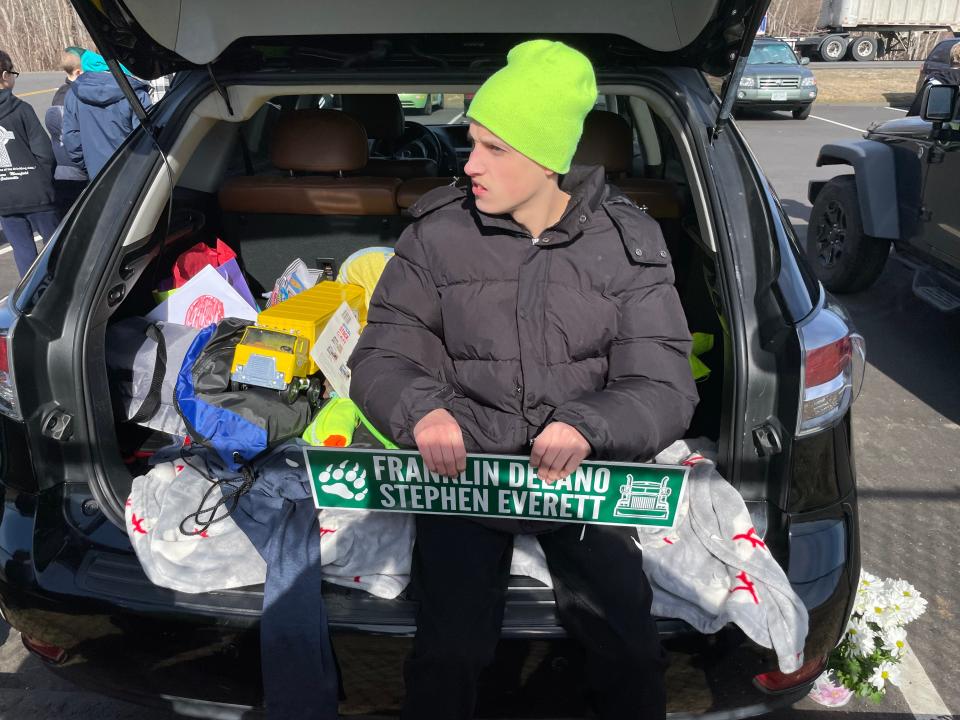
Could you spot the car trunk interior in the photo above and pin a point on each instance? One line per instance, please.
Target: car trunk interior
(226, 188)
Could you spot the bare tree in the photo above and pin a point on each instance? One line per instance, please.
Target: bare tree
(790, 18)
(35, 32)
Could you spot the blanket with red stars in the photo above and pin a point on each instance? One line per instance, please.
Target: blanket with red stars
(714, 567)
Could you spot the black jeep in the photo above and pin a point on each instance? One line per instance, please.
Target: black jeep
(903, 192)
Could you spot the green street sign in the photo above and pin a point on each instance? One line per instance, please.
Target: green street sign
(496, 486)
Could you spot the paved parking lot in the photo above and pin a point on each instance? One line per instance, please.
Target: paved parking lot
(906, 428)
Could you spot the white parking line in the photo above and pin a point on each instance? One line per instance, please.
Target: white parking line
(456, 119)
(834, 122)
(922, 697)
(897, 109)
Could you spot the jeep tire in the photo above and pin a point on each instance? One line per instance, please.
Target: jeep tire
(844, 258)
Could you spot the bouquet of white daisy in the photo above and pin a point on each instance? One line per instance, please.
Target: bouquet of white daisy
(875, 641)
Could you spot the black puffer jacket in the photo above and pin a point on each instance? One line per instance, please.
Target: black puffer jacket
(582, 326)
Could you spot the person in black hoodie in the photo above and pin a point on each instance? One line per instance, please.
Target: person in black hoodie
(69, 179)
(26, 172)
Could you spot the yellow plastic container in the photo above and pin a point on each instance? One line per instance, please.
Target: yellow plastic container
(307, 313)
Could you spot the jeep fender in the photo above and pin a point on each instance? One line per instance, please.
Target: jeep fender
(876, 179)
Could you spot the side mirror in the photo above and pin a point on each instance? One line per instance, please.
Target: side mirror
(940, 103)
(804, 61)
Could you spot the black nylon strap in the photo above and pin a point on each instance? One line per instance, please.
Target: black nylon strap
(152, 401)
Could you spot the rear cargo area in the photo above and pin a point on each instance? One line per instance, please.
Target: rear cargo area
(240, 193)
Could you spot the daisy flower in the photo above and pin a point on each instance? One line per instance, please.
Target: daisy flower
(905, 595)
(886, 672)
(895, 640)
(861, 637)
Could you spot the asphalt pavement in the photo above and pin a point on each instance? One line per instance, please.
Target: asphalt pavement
(906, 435)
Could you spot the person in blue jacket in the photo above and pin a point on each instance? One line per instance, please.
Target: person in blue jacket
(69, 179)
(96, 116)
(26, 172)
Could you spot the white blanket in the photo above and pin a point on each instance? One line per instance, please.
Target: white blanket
(710, 570)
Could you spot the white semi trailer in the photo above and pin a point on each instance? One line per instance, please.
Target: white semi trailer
(867, 29)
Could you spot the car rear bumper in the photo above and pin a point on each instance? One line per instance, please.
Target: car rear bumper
(764, 98)
(81, 589)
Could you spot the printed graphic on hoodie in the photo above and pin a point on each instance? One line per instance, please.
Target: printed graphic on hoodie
(6, 164)
(5, 137)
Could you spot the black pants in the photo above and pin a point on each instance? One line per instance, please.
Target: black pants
(19, 230)
(461, 569)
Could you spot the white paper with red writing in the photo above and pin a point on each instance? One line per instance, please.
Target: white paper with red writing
(333, 348)
(204, 300)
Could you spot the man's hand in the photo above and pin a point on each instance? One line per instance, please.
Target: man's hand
(558, 451)
(440, 442)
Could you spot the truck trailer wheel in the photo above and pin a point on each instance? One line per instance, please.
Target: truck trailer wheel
(844, 259)
(833, 48)
(864, 49)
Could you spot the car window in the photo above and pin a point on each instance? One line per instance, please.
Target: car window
(941, 52)
(771, 54)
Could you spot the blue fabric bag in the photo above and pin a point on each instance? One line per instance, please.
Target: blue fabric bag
(236, 424)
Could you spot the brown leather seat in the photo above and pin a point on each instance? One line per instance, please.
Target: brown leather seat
(314, 141)
(411, 190)
(382, 117)
(608, 141)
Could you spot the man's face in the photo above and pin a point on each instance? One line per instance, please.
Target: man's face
(503, 179)
(7, 80)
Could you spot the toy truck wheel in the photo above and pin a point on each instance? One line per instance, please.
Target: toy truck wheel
(315, 392)
(290, 393)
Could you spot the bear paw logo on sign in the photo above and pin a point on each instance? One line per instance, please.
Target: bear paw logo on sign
(348, 484)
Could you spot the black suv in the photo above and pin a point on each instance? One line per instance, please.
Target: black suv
(902, 192)
(785, 368)
(938, 68)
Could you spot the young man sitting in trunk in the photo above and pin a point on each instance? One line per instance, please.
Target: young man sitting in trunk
(534, 312)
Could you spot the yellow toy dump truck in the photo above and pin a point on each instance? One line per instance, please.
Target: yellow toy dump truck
(275, 352)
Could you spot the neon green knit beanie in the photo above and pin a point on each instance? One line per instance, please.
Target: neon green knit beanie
(537, 103)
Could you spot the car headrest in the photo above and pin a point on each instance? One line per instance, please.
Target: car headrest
(319, 141)
(381, 115)
(605, 141)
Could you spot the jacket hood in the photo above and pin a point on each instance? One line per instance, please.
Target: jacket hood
(100, 88)
(94, 62)
(584, 183)
(8, 103)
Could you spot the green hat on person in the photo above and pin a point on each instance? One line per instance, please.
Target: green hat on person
(537, 103)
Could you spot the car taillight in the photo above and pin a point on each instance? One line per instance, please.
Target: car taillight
(778, 682)
(834, 359)
(53, 653)
(9, 405)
